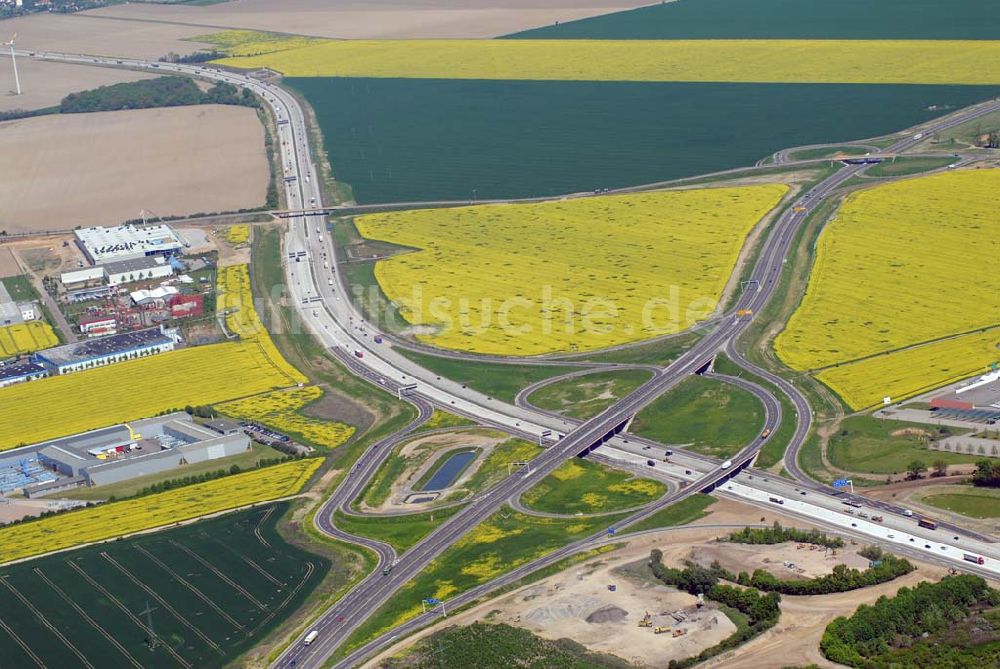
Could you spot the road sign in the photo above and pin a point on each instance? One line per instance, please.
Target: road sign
(840, 483)
(433, 601)
(611, 531)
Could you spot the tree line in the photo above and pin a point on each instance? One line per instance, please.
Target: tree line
(885, 567)
(874, 630)
(168, 91)
(776, 534)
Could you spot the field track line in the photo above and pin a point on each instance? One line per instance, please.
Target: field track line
(256, 567)
(20, 642)
(161, 601)
(235, 586)
(83, 614)
(124, 609)
(277, 609)
(256, 530)
(198, 593)
(46, 623)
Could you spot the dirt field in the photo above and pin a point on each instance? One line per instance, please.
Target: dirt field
(46, 84)
(100, 169)
(8, 265)
(355, 19)
(560, 605)
(77, 33)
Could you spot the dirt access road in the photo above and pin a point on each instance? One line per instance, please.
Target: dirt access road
(67, 170)
(373, 19)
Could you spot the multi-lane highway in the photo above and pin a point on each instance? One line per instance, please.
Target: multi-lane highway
(317, 289)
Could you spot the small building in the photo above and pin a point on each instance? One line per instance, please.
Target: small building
(80, 277)
(105, 350)
(102, 245)
(155, 298)
(17, 372)
(28, 311)
(98, 326)
(137, 269)
(224, 426)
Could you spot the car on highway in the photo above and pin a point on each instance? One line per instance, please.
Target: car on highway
(726, 465)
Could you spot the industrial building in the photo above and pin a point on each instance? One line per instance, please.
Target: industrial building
(137, 269)
(106, 350)
(124, 452)
(126, 242)
(82, 277)
(17, 372)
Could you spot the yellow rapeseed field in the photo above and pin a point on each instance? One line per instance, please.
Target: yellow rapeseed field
(25, 337)
(135, 389)
(238, 234)
(901, 264)
(115, 519)
(576, 274)
(240, 43)
(912, 371)
(236, 297)
(281, 410)
(781, 61)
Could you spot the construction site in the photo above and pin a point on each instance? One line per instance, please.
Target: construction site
(612, 604)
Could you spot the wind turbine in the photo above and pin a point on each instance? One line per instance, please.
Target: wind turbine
(17, 79)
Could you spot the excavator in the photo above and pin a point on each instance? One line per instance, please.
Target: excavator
(647, 620)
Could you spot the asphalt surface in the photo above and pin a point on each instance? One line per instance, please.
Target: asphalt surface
(338, 325)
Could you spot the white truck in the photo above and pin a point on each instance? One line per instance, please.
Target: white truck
(310, 637)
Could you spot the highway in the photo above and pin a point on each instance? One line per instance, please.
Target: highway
(316, 287)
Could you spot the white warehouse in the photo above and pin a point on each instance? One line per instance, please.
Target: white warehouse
(104, 245)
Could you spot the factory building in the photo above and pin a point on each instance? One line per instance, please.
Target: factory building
(82, 277)
(106, 350)
(125, 452)
(137, 269)
(126, 242)
(17, 372)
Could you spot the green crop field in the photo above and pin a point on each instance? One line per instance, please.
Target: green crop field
(418, 139)
(586, 396)
(781, 19)
(212, 589)
(715, 418)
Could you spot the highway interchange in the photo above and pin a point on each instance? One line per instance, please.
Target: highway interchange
(316, 288)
